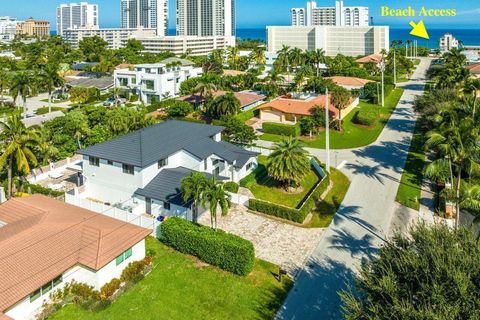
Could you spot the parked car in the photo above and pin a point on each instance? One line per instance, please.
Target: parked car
(111, 101)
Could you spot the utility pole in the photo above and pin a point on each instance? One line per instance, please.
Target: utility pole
(382, 68)
(394, 66)
(327, 131)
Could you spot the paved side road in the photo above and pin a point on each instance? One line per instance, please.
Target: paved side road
(362, 223)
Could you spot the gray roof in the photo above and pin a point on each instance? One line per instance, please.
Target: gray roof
(147, 146)
(103, 83)
(167, 186)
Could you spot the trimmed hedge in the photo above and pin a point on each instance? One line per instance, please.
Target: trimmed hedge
(293, 214)
(281, 129)
(216, 247)
(231, 187)
(366, 118)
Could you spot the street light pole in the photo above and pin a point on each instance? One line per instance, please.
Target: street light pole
(394, 66)
(382, 68)
(327, 131)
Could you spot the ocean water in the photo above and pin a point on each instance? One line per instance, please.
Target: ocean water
(467, 36)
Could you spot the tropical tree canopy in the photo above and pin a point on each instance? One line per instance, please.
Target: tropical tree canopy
(288, 163)
(433, 274)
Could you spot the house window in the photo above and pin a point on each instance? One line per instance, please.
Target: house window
(205, 165)
(124, 256)
(250, 165)
(128, 169)
(46, 288)
(94, 161)
(35, 295)
(166, 205)
(123, 82)
(149, 84)
(162, 163)
(110, 163)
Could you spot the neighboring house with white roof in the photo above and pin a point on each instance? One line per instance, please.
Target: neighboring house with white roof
(157, 80)
(142, 171)
(46, 243)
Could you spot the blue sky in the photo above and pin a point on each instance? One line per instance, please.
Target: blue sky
(258, 13)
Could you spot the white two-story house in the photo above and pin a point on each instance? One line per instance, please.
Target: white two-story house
(157, 80)
(142, 171)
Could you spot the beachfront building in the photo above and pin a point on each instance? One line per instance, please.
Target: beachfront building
(77, 16)
(34, 28)
(206, 18)
(448, 42)
(143, 170)
(291, 108)
(47, 243)
(178, 45)
(8, 28)
(156, 80)
(349, 41)
(116, 38)
(146, 14)
(339, 15)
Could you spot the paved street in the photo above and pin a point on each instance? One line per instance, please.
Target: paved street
(363, 221)
(34, 103)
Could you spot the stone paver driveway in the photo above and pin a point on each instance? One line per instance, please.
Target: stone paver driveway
(280, 243)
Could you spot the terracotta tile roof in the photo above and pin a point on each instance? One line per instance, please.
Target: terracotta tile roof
(300, 107)
(246, 98)
(44, 237)
(4, 317)
(474, 68)
(349, 81)
(377, 58)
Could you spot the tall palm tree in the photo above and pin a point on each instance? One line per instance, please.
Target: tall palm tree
(226, 104)
(23, 85)
(296, 58)
(45, 145)
(458, 140)
(17, 142)
(193, 188)
(340, 99)
(205, 89)
(50, 80)
(470, 197)
(288, 163)
(233, 57)
(258, 56)
(317, 57)
(283, 59)
(216, 197)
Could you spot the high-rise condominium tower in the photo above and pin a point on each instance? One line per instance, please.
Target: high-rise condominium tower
(76, 16)
(151, 14)
(206, 18)
(339, 15)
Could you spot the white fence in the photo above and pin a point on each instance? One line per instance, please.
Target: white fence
(239, 199)
(262, 151)
(116, 213)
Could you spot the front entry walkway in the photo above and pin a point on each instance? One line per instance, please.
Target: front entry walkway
(277, 242)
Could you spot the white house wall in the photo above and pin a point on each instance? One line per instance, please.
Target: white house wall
(25, 309)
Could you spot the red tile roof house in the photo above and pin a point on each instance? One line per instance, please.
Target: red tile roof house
(45, 243)
(291, 110)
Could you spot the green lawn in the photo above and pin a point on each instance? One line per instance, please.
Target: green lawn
(179, 287)
(265, 188)
(247, 115)
(353, 136)
(324, 213)
(410, 188)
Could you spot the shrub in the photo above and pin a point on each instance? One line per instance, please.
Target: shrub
(134, 97)
(231, 187)
(276, 210)
(110, 288)
(281, 129)
(37, 189)
(134, 272)
(216, 247)
(366, 117)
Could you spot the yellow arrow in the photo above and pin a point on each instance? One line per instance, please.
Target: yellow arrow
(419, 30)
